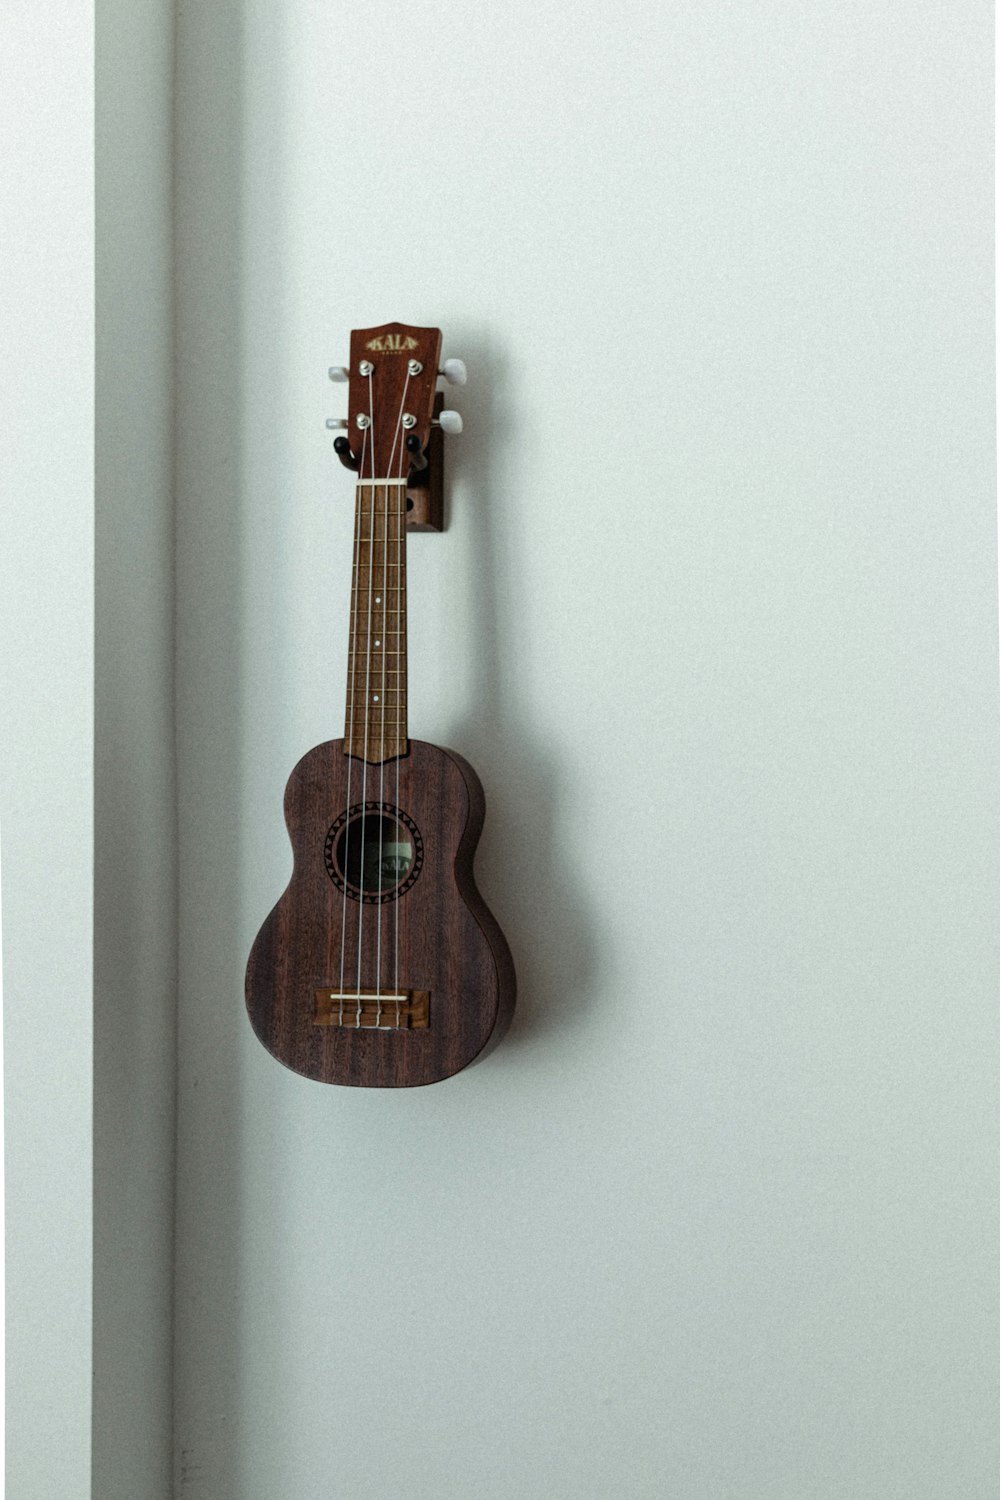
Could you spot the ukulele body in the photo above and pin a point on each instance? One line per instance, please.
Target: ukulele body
(381, 965)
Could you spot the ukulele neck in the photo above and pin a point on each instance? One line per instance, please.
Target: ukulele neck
(375, 725)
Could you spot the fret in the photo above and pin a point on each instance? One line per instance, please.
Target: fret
(375, 752)
(373, 736)
(393, 719)
(373, 746)
(393, 722)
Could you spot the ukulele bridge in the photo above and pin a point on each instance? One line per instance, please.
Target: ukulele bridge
(392, 1010)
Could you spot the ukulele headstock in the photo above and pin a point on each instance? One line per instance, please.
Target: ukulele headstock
(392, 381)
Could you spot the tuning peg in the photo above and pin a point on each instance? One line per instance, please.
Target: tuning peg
(334, 422)
(448, 421)
(454, 371)
(339, 373)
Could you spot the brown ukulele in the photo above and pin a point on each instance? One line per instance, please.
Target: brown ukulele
(381, 965)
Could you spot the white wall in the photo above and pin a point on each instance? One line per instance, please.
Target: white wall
(715, 619)
(46, 744)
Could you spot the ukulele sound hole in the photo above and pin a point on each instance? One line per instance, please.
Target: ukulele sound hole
(375, 852)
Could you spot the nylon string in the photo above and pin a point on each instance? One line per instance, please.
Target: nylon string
(381, 765)
(368, 673)
(368, 699)
(400, 602)
(350, 721)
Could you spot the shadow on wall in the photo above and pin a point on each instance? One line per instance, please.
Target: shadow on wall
(135, 868)
(211, 483)
(522, 868)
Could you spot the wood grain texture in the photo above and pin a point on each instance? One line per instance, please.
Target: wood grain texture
(449, 943)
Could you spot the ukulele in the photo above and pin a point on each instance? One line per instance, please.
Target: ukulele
(381, 965)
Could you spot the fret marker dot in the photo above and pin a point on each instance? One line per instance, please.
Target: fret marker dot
(375, 699)
(378, 599)
(378, 643)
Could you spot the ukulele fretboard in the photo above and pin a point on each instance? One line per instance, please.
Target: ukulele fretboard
(375, 725)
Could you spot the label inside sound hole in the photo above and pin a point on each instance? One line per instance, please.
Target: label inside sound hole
(374, 852)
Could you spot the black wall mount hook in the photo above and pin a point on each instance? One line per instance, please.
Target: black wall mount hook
(418, 458)
(342, 448)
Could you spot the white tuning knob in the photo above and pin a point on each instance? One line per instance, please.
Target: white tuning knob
(334, 422)
(339, 373)
(449, 421)
(454, 371)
